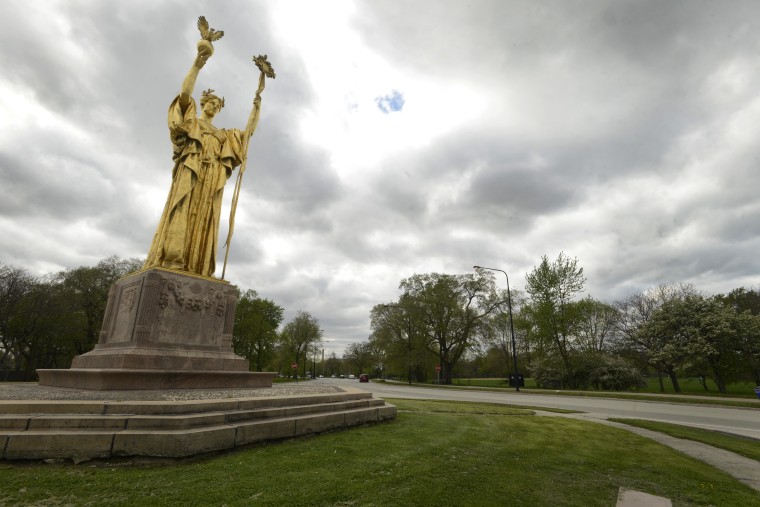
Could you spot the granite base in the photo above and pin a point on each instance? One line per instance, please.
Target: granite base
(163, 329)
(126, 379)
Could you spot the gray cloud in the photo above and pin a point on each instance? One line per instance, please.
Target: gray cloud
(622, 133)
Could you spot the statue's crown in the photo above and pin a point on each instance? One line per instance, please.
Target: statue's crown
(207, 94)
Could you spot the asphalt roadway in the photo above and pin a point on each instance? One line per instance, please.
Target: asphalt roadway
(738, 421)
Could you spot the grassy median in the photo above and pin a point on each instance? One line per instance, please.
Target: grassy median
(689, 386)
(744, 446)
(434, 453)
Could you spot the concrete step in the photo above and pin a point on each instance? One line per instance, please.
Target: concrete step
(10, 407)
(171, 421)
(175, 429)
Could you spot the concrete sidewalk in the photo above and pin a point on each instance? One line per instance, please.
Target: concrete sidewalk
(632, 498)
(745, 470)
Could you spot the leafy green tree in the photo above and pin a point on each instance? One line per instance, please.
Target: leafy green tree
(552, 287)
(666, 338)
(746, 304)
(255, 333)
(747, 328)
(298, 334)
(282, 357)
(46, 321)
(360, 357)
(394, 352)
(529, 346)
(28, 324)
(333, 365)
(312, 358)
(594, 325)
(16, 285)
(82, 297)
(692, 330)
(451, 307)
(495, 332)
(379, 356)
(633, 313)
(742, 300)
(398, 329)
(716, 336)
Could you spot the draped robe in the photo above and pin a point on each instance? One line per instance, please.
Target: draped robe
(187, 235)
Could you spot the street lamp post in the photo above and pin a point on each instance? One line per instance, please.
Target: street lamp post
(511, 325)
(323, 354)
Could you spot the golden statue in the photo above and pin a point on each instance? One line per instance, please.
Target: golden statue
(204, 157)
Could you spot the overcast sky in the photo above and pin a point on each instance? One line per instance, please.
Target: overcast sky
(398, 138)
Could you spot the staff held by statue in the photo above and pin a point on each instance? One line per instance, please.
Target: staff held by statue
(266, 70)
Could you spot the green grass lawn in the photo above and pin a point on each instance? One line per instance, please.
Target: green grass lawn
(688, 386)
(434, 453)
(499, 384)
(693, 386)
(748, 447)
(488, 382)
(674, 398)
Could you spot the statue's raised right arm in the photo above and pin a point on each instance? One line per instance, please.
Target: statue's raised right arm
(205, 50)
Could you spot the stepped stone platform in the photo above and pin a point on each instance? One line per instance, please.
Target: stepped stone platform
(39, 422)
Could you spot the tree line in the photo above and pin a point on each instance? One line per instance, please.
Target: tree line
(260, 337)
(47, 320)
(460, 325)
(441, 326)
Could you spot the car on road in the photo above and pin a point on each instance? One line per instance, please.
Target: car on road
(363, 377)
(352, 376)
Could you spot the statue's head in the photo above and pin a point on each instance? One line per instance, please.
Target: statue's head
(208, 96)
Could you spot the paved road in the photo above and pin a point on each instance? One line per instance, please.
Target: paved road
(738, 421)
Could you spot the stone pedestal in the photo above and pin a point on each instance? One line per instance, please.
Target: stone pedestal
(163, 329)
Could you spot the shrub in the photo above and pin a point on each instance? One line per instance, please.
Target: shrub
(549, 374)
(614, 373)
(600, 371)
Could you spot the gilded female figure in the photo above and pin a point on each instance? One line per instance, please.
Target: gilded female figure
(204, 156)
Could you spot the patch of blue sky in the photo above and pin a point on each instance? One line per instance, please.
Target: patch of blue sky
(351, 103)
(394, 101)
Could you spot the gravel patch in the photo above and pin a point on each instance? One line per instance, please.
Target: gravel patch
(33, 391)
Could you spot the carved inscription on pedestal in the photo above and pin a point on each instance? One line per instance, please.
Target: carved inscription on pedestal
(159, 308)
(229, 321)
(149, 307)
(195, 309)
(125, 312)
(162, 320)
(108, 318)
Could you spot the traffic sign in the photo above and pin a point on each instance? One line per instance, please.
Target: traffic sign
(294, 365)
